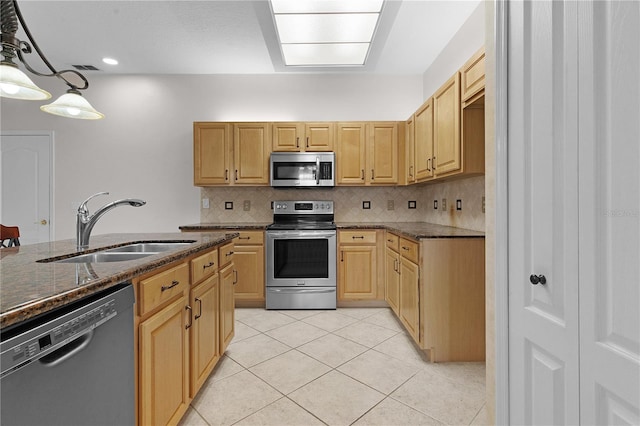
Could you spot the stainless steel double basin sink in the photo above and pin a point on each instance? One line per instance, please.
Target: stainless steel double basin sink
(123, 253)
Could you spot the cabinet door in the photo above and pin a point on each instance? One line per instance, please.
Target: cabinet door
(409, 297)
(204, 332)
(446, 127)
(351, 159)
(251, 149)
(249, 262)
(472, 75)
(211, 153)
(424, 141)
(392, 279)
(382, 153)
(227, 305)
(357, 276)
(288, 137)
(164, 365)
(410, 147)
(319, 137)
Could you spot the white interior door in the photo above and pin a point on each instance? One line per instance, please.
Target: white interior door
(610, 212)
(26, 175)
(543, 211)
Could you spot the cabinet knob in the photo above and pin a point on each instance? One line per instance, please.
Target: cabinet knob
(538, 279)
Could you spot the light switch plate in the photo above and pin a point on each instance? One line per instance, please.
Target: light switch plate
(444, 204)
(458, 204)
(205, 203)
(390, 205)
(246, 205)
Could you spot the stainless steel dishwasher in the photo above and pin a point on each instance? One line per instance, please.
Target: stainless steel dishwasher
(72, 366)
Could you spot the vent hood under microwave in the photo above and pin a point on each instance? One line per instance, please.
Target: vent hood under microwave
(302, 169)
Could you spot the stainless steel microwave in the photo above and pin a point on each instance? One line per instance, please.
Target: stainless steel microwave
(302, 169)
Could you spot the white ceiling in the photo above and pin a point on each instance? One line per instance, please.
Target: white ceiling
(221, 37)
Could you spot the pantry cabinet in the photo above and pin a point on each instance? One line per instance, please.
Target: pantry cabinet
(357, 265)
(301, 137)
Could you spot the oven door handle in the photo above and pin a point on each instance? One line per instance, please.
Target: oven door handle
(302, 290)
(317, 170)
(300, 234)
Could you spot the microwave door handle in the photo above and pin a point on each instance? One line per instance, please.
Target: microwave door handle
(317, 170)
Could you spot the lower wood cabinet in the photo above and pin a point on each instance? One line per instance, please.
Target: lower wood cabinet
(409, 311)
(184, 321)
(359, 272)
(392, 279)
(248, 258)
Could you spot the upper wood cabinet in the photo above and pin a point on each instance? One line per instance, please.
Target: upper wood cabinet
(251, 149)
(423, 141)
(300, 137)
(410, 150)
(472, 75)
(446, 127)
(367, 153)
(211, 153)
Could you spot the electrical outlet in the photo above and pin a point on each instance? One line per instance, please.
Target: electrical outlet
(483, 204)
(390, 205)
(412, 204)
(246, 205)
(458, 204)
(435, 204)
(444, 204)
(205, 203)
(366, 205)
(228, 205)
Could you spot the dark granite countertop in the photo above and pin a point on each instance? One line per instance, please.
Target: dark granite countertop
(415, 230)
(29, 288)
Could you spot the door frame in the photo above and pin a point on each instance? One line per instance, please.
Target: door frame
(501, 263)
(50, 135)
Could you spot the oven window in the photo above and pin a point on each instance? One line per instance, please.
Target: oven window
(301, 258)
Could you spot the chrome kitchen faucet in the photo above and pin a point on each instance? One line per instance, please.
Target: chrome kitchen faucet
(85, 222)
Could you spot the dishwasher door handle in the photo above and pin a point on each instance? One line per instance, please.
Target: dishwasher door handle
(67, 351)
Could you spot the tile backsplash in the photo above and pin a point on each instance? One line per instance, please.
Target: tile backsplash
(348, 203)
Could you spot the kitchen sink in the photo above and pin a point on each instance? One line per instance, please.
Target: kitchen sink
(123, 253)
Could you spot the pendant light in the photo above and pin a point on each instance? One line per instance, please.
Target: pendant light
(15, 84)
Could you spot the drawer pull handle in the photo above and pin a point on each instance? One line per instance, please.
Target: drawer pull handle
(229, 254)
(389, 241)
(361, 237)
(188, 308)
(199, 308)
(208, 265)
(244, 238)
(405, 248)
(173, 284)
(235, 277)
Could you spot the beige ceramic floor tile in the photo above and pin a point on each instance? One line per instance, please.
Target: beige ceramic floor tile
(255, 350)
(361, 313)
(301, 313)
(289, 371)
(330, 320)
(391, 412)
(242, 331)
(283, 412)
(267, 320)
(244, 313)
(380, 371)
(402, 347)
(441, 398)
(481, 418)
(332, 350)
(386, 319)
(231, 399)
(366, 334)
(192, 418)
(296, 334)
(467, 373)
(226, 367)
(336, 399)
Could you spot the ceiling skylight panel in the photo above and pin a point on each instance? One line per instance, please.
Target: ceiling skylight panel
(326, 6)
(325, 54)
(326, 28)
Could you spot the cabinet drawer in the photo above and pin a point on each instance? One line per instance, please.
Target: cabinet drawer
(392, 241)
(409, 249)
(226, 254)
(249, 238)
(155, 290)
(357, 237)
(204, 266)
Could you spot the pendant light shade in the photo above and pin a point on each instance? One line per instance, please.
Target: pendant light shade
(72, 105)
(15, 84)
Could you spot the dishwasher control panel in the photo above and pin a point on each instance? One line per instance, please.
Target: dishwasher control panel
(23, 349)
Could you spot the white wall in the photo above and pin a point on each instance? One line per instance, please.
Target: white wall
(143, 148)
(462, 46)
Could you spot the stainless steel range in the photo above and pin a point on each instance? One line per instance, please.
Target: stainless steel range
(301, 256)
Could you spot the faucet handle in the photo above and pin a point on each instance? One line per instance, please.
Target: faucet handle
(83, 207)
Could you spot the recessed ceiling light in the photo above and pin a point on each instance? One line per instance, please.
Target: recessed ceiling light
(110, 61)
